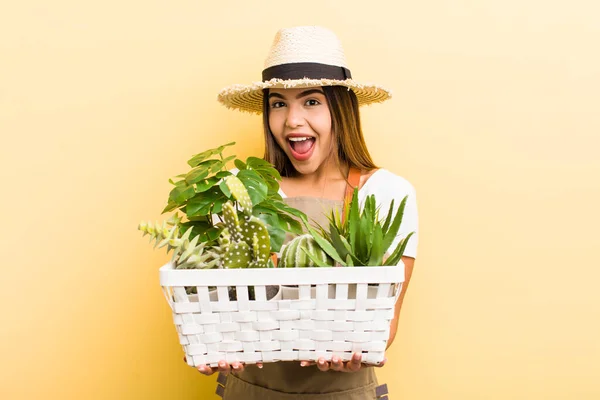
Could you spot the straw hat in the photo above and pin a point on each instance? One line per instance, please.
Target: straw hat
(303, 56)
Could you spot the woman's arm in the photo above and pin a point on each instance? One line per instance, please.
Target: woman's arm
(409, 263)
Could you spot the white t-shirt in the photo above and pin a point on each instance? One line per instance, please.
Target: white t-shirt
(386, 186)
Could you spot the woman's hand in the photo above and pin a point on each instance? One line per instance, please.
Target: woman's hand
(223, 368)
(338, 365)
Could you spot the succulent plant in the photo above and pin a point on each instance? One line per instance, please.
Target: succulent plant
(186, 254)
(250, 243)
(362, 238)
(301, 251)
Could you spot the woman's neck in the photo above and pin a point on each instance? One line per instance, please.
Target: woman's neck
(328, 182)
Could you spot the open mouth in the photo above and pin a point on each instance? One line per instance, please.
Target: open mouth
(301, 147)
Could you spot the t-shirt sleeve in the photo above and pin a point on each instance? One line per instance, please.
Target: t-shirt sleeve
(388, 187)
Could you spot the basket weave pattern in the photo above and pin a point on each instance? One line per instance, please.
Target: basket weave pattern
(338, 311)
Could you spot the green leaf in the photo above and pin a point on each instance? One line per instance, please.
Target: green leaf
(239, 164)
(201, 204)
(376, 256)
(181, 193)
(196, 174)
(225, 189)
(170, 207)
(257, 189)
(388, 218)
(226, 160)
(391, 234)
(203, 229)
(276, 234)
(290, 224)
(337, 243)
(362, 246)
(223, 174)
(206, 184)
(355, 260)
(395, 257)
(198, 158)
(255, 162)
(218, 204)
(325, 245)
(349, 262)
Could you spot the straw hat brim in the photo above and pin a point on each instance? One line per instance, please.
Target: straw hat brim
(249, 98)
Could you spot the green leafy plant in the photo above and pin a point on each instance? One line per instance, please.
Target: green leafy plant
(225, 214)
(362, 239)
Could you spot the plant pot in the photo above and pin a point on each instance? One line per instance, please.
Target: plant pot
(273, 292)
(291, 292)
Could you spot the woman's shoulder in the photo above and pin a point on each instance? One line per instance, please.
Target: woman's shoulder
(383, 181)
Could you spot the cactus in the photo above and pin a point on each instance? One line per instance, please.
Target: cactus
(237, 255)
(255, 234)
(240, 193)
(250, 236)
(302, 251)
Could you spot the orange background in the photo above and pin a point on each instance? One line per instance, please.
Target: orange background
(494, 120)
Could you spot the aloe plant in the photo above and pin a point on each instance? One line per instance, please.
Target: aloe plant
(362, 238)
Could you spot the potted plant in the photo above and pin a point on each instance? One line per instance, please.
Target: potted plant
(230, 220)
(361, 239)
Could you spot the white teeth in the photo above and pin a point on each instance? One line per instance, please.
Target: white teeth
(299, 139)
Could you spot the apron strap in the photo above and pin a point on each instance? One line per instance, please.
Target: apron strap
(382, 392)
(353, 182)
(221, 380)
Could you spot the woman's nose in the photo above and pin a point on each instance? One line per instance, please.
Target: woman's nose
(295, 117)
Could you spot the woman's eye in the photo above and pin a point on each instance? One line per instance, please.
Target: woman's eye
(312, 102)
(277, 104)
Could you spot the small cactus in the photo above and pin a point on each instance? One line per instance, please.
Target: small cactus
(301, 252)
(255, 233)
(240, 193)
(250, 231)
(237, 255)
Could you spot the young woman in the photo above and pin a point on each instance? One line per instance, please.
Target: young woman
(310, 106)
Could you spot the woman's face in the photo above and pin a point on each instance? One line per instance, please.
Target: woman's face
(301, 124)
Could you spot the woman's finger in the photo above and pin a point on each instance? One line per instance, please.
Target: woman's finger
(307, 363)
(259, 364)
(237, 367)
(381, 364)
(224, 367)
(354, 364)
(206, 370)
(322, 364)
(336, 364)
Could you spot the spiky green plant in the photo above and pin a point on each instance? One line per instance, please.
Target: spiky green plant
(301, 251)
(362, 239)
(187, 253)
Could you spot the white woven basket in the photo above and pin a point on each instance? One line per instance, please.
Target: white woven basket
(335, 311)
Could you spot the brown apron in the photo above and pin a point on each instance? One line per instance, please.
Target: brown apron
(287, 380)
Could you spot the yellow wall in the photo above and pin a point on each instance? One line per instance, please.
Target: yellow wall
(495, 121)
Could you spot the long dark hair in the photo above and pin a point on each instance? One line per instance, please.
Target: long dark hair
(347, 132)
